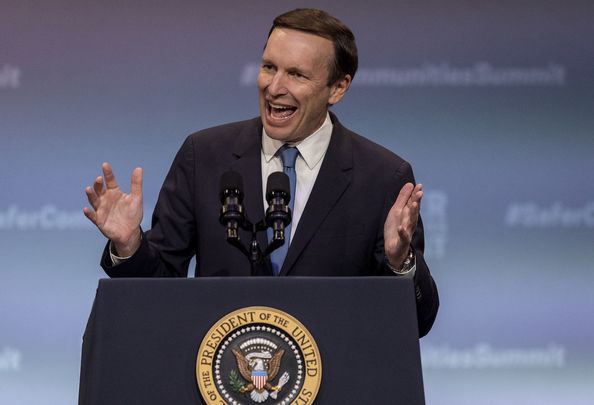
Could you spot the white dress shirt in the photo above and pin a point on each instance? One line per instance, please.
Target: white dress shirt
(311, 154)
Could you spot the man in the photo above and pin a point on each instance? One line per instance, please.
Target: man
(356, 208)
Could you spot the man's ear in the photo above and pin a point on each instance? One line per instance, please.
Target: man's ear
(338, 89)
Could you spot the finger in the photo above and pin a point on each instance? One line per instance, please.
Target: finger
(395, 213)
(92, 197)
(136, 185)
(417, 193)
(110, 180)
(98, 185)
(90, 214)
(410, 217)
(416, 199)
(403, 196)
(413, 214)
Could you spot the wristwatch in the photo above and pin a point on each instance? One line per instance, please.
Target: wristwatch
(408, 265)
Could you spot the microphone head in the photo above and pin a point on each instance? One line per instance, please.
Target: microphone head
(231, 182)
(278, 182)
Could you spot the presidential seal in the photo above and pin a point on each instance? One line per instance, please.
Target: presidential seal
(258, 355)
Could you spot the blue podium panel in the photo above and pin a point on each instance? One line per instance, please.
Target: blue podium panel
(143, 336)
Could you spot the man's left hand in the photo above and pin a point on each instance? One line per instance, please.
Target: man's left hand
(401, 223)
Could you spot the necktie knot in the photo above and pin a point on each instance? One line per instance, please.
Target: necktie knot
(289, 156)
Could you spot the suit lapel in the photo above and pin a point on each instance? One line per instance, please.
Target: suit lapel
(332, 181)
(246, 153)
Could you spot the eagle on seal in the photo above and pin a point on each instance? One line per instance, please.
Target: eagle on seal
(254, 368)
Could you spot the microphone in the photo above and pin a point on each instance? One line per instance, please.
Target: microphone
(278, 214)
(231, 195)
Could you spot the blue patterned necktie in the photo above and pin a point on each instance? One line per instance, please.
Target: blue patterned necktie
(288, 155)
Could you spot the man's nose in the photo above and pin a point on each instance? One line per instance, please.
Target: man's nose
(277, 85)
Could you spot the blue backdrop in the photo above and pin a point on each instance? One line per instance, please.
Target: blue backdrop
(492, 103)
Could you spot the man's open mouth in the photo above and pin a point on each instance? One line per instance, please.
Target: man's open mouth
(280, 111)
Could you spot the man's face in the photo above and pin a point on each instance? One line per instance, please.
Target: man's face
(293, 84)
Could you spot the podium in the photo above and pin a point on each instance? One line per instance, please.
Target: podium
(143, 336)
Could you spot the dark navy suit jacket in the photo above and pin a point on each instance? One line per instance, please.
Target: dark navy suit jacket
(339, 234)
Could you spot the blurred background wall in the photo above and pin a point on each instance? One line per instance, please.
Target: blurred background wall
(491, 102)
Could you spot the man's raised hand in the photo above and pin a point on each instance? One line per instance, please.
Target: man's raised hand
(401, 223)
(116, 214)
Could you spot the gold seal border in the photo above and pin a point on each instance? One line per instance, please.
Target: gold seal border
(205, 359)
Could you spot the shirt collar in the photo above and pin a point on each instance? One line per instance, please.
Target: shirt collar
(312, 149)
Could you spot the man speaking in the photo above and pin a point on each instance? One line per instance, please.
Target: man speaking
(355, 206)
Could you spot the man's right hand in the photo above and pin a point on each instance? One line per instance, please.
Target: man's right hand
(116, 214)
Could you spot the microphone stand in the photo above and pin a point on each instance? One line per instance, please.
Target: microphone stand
(254, 254)
(233, 217)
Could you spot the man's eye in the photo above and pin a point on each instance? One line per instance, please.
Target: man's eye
(267, 67)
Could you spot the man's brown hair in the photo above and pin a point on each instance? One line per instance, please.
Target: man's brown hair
(321, 23)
